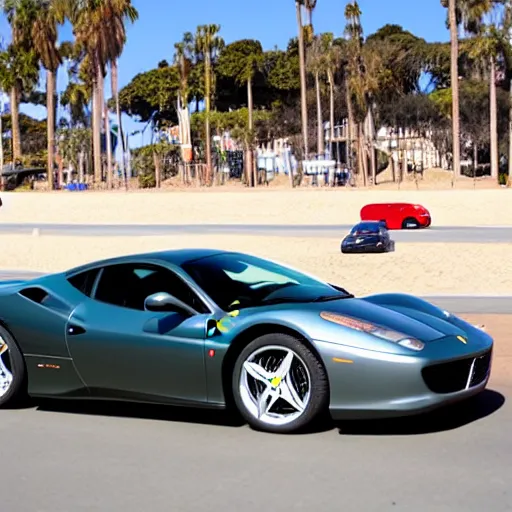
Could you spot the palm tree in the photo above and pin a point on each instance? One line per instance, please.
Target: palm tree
(44, 33)
(78, 94)
(353, 31)
(454, 80)
(19, 68)
(333, 59)
(99, 29)
(184, 51)
(484, 47)
(18, 72)
(209, 43)
(303, 84)
(316, 63)
(123, 11)
(310, 6)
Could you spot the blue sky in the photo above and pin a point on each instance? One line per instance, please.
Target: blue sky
(152, 37)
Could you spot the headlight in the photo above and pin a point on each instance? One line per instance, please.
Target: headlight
(380, 332)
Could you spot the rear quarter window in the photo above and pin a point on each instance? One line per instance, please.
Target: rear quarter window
(84, 281)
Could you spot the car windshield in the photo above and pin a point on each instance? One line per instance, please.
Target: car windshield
(236, 281)
(366, 228)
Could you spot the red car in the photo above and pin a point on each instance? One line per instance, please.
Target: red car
(398, 215)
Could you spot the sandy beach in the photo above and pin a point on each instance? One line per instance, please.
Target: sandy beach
(413, 268)
(465, 207)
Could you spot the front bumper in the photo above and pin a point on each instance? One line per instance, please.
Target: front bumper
(366, 384)
(425, 221)
(363, 248)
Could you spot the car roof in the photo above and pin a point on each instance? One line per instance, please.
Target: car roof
(176, 257)
(388, 204)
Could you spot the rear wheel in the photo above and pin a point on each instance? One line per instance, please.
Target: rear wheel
(410, 223)
(279, 385)
(12, 371)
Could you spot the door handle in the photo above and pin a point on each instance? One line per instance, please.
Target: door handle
(75, 330)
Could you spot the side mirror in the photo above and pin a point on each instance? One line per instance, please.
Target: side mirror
(162, 302)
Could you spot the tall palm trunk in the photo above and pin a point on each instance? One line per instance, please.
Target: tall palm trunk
(361, 153)
(51, 80)
(350, 127)
(101, 101)
(15, 121)
(120, 133)
(250, 108)
(108, 142)
(331, 109)
(454, 68)
(302, 64)
(319, 120)
(371, 147)
(96, 127)
(494, 121)
(207, 76)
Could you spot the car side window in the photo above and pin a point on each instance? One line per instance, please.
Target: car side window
(128, 285)
(84, 281)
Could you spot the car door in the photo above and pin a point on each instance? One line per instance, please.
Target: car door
(123, 351)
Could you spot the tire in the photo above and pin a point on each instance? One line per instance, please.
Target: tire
(410, 223)
(11, 363)
(305, 366)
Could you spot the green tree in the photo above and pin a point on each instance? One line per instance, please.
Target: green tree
(151, 96)
(241, 60)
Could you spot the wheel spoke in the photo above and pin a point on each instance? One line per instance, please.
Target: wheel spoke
(264, 404)
(285, 366)
(288, 394)
(3, 348)
(258, 372)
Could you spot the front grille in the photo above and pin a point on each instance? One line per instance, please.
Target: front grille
(480, 369)
(457, 375)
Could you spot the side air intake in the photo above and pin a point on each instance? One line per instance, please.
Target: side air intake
(34, 294)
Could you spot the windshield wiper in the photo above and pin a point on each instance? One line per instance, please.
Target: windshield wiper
(322, 298)
(284, 300)
(326, 298)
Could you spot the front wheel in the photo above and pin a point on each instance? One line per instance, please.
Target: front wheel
(410, 223)
(12, 370)
(279, 385)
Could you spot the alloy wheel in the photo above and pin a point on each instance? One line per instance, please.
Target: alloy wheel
(275, 385)
(6, 377)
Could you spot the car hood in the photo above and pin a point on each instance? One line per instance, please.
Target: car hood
(409, 321)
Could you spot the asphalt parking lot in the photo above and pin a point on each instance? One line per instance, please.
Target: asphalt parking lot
(63, 457)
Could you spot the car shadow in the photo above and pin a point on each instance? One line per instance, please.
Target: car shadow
(448, 418)
(441, 420)
(135, 410)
